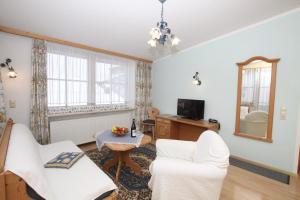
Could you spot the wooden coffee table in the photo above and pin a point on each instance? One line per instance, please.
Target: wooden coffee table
(121, 152)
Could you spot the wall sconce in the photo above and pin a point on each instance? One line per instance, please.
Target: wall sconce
(196, 80)
(11, 71)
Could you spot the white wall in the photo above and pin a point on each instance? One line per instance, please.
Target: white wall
(215, 62)
(19, 50)
(83, 130)
(297, 147)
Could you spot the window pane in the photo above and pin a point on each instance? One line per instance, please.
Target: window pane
(102, 93)
(118, 93)
(111, 83)
(56, 93)
(103, 87)
(77, 81)
(119, 74)
(103, 72)
(76, 68)
(77, 93)
(55, 66)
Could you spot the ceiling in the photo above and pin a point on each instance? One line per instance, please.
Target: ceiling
(123, 25)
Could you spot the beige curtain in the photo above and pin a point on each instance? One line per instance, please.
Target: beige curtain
(143, 91)
(39, 104)
(2, 107)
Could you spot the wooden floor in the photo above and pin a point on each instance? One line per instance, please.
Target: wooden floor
(244, 185)
(240, 184)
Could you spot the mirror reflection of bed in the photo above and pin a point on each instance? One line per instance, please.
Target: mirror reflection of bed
(255, 96)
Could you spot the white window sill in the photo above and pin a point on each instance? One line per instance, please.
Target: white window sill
(54, 112)
(66, 116)
(90, 112)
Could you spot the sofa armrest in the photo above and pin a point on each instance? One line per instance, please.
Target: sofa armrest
(186, 169)
(175, 149)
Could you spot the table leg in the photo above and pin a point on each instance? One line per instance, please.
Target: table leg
(111, 162)
(153, 132)
(120, 160)
(119, 157)
(130, 163)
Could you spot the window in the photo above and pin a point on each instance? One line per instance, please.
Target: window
(87, 80)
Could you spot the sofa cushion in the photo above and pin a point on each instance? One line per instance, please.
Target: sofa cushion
(64, 160)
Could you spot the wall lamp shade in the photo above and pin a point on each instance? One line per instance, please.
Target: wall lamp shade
(196, 80)
(11, 71)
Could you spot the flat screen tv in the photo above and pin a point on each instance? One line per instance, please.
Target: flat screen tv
(190, 108)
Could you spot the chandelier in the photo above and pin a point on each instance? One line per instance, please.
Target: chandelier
(161, 34)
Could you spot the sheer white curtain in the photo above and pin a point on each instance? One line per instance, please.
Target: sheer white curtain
(256, 88)
(114, 81)
(67, 70)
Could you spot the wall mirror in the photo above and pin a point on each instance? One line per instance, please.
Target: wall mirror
(255, 98)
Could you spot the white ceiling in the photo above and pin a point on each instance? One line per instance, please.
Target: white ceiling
(123, 25)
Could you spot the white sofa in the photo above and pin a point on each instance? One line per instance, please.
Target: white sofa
(189, 170)
(26, 158)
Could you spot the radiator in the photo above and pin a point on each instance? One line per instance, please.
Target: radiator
(82, 130)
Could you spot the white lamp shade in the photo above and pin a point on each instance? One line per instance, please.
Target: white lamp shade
(152, 43)
(12, 74)
(175, 41)
(155, 33)
(195, 82)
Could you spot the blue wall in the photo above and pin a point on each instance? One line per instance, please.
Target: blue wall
(215, 61)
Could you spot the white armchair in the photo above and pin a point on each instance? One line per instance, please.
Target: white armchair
(189, 170)
(255, 123)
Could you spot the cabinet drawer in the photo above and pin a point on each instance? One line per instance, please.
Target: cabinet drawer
(163, 130)
(163, 120)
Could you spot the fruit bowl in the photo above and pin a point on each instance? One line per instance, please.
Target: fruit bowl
(119, 131)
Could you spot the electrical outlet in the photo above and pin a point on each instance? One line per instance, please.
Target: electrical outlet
(12, 103)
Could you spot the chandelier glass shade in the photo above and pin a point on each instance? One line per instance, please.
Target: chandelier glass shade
(161, 34)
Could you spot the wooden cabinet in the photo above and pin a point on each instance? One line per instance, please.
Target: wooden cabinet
(163, 128)
(173, 127)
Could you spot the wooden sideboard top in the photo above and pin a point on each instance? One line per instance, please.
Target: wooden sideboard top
(199, 123)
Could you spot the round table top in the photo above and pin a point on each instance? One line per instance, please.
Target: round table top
(126, 147)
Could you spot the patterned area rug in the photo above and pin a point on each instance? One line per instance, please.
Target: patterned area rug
(131, 186)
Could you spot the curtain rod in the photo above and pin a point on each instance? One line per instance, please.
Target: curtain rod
(68, 43)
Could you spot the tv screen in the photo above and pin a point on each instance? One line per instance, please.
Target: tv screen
(190, 108)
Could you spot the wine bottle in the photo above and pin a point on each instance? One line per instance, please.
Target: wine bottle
(133, 129)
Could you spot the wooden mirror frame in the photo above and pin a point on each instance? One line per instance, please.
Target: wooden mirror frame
(240, 65)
